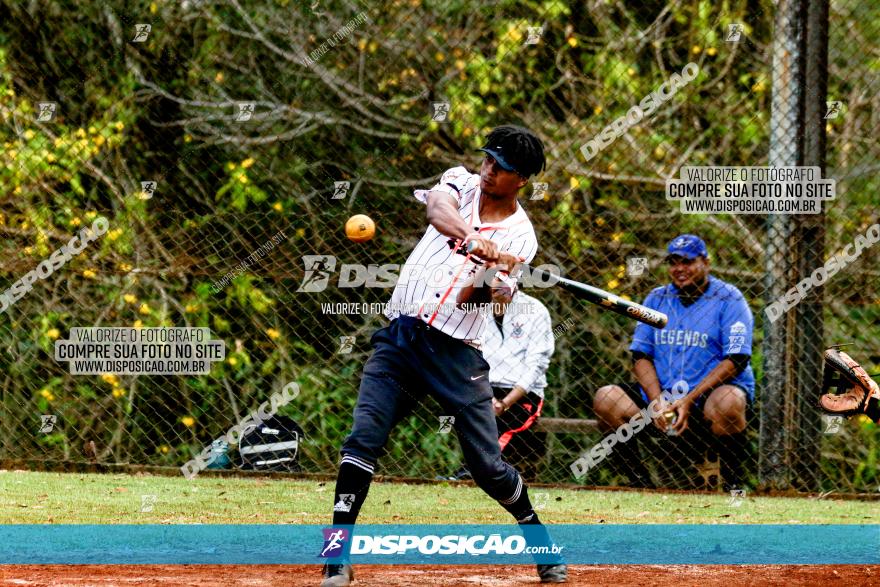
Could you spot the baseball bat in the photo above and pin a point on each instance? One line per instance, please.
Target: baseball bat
(600, 297)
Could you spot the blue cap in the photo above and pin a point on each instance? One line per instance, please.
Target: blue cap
(688, 246)
(496, 154)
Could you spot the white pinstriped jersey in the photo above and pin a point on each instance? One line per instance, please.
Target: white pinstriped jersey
(433, 275)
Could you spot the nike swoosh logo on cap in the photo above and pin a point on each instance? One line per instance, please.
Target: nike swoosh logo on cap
(477, 377)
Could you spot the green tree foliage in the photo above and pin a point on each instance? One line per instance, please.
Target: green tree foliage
(164, 110)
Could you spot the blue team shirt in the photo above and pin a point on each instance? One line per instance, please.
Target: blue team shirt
(697, 337)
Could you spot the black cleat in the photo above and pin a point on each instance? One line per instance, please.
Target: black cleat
(736, 486)
(461, 475)
(553, 573)
(337, 575)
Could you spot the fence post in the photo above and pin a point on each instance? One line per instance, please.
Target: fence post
(809, 239)
(795, 247)
(786, 126)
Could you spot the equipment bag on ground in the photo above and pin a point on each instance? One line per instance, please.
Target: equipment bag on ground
(272, 445)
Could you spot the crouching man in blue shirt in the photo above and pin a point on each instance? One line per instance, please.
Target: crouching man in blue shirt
(696, 367)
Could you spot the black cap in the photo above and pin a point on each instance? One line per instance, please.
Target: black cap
(516, 149)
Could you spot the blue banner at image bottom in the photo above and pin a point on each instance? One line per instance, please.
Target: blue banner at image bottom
(439, 544)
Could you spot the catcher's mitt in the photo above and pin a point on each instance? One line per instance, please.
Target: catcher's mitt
(859, 387)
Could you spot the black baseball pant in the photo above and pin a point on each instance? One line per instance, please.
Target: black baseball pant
(411, 360)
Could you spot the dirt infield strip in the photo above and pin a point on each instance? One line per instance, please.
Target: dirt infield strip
(277, 575)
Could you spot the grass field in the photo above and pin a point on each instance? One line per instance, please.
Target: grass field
(73, 498)
(39, 498)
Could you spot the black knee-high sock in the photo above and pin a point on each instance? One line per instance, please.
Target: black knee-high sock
(533, 530)
(352, 486)
(519, 506)
(733, 452)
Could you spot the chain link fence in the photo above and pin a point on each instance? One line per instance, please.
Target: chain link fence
(205, 130)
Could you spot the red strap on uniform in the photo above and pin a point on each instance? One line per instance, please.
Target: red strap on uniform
(504, 439)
